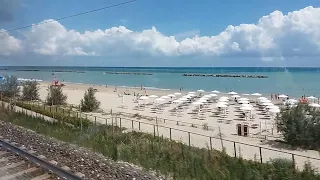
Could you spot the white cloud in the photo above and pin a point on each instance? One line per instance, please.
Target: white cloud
(274, 36)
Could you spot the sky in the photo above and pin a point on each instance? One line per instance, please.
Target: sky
(161, 33)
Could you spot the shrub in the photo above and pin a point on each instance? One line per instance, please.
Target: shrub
(55, 96)
(300, 126)
(89, 102)
(10, 87)
(30, 90)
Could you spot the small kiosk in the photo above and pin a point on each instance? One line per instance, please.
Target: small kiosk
(242, 130)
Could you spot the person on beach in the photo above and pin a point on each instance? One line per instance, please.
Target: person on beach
(278, 96)
(271, 96)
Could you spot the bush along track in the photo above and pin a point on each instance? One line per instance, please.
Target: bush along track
(170, 158)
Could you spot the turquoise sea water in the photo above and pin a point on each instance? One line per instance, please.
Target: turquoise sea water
(291, 81)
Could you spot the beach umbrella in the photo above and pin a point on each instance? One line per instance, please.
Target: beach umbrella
(274, 110)
(197, 103)
(191, 92)
(200, 90)
(144, 97)
(202, 100)
(177, 94)
(311, 97)
(244, 102)
(272, 107)
(232, 93)
(261, 98)
(224, 97)
(213, 95)
(314, 105)
(246, 94)
(223, 100)
(159, 100)
(177, 101)
(221, 105)
(171, 95)
(153, 96)
(246, 105)
(243, 99)
(265, 101)
(215, 91)
(256, 94)
(165, 97)
(206, 96)
(235, 96)
(282, 96)
(191, 95)
(267, 104)
(246, 108)
(183, 99)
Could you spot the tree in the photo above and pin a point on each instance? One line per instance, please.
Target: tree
(10, 87)
(89, 102)
(55, 96)
(30, 90)
(300, 126)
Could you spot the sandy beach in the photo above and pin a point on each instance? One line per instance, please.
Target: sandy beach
(189, 118)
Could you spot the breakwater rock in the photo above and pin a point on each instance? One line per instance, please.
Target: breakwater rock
(130, 73)
(227, 75)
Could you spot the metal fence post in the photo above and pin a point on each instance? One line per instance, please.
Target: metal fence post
(154, 131)
(170, 133)
(120, 123)
(132, 124)
(235, 150)
(293, 161)
(260, 154)
(139, 126)
(210, 143)
(189, 138)
(95, 120)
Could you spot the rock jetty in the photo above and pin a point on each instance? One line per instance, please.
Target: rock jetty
(227, 75)
(130, 73)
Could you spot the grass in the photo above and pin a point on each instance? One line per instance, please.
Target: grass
(167, 157)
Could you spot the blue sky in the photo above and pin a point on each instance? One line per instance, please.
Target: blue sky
(178, 18)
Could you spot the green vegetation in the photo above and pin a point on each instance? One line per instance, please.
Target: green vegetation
(55, 96)
(300, 126)
(165, 156)
(30, 90)
(89, 102)
(10, 87)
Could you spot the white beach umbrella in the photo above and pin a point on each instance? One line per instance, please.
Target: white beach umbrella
(191, 95)
(267, 104)
(243, 99)
(311, 97)
(177, 101)
(232, 93)
(202, 100)
(246, 94)
(246, 108)
(274, 110)
(272, 107)
(159, 100)
(197, 103)
(244, 102)
(246, 105)
(261, 98)
(314, 105)
(200, 90)
(282, 96)
(153, 96)
(207, 96)
(223, 100)
(177, 94)
(221, 105)
(171, 95)
(213, 95)
(224, 97)
(215, 91)
(144, 97)
(265, 101)
(256, 94)
(183, 99)
(191, 92)
(235, 96)
(165, 97)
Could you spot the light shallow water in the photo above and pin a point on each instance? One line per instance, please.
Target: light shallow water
(291, 81)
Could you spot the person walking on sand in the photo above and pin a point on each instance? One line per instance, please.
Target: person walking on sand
(271, 96)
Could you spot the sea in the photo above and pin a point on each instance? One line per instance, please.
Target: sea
(292, 81)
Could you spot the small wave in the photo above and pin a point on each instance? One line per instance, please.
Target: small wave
(27, 79)
(155, 88)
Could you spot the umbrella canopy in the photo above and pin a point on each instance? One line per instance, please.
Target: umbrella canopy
(282, 96)
(171, 95)
(243, 99)
(232, 93)
(206, 96)
(177, 101)
(213, 95)
(191, 95)
(256, 94)
(224, 97)
(221, 105)
(183, 99)
(200, 90)
(314, 105)
(246, 108)
(246, 105)
(165, 97)
(177, 94)
(265, 101)
(312, 97)
(246, 94)
(223, 100)
(159, 100)
(144, 97)
(261, 98)
(272, 107)
(236, 96)
(215, 91)
(197, 103)
(274, 110)
(244, 102)
(153, 96)
(191, 92)
(267, 104)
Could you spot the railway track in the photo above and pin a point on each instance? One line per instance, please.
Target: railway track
(17, 163)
